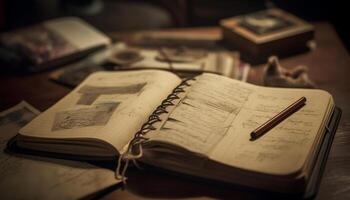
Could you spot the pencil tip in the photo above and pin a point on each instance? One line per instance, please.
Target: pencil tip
(252, 136)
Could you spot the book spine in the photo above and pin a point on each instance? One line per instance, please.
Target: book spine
(133, 150)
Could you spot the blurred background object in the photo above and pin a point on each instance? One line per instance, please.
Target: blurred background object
(273, 31)
(116, 15)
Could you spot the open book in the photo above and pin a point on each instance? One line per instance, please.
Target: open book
(198, 127)
(50, 44)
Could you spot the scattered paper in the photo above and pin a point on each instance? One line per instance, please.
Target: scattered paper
(31, 177)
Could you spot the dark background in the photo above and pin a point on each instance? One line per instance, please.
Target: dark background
(115, 15)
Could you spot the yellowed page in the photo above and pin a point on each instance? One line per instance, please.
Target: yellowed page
(218, 114)
(282, 150)
(110, 106)
(200, 121)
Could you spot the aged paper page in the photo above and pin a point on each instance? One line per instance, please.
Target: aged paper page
(108, 106)
(217, 115)
(201, 119)
(43, 178)
(286, 147)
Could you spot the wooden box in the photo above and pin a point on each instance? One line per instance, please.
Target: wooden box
(262, 34)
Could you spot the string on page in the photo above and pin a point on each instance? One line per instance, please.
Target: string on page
(168, 60)
(134, 150)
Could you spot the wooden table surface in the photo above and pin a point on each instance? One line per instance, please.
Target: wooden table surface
(329, 68)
